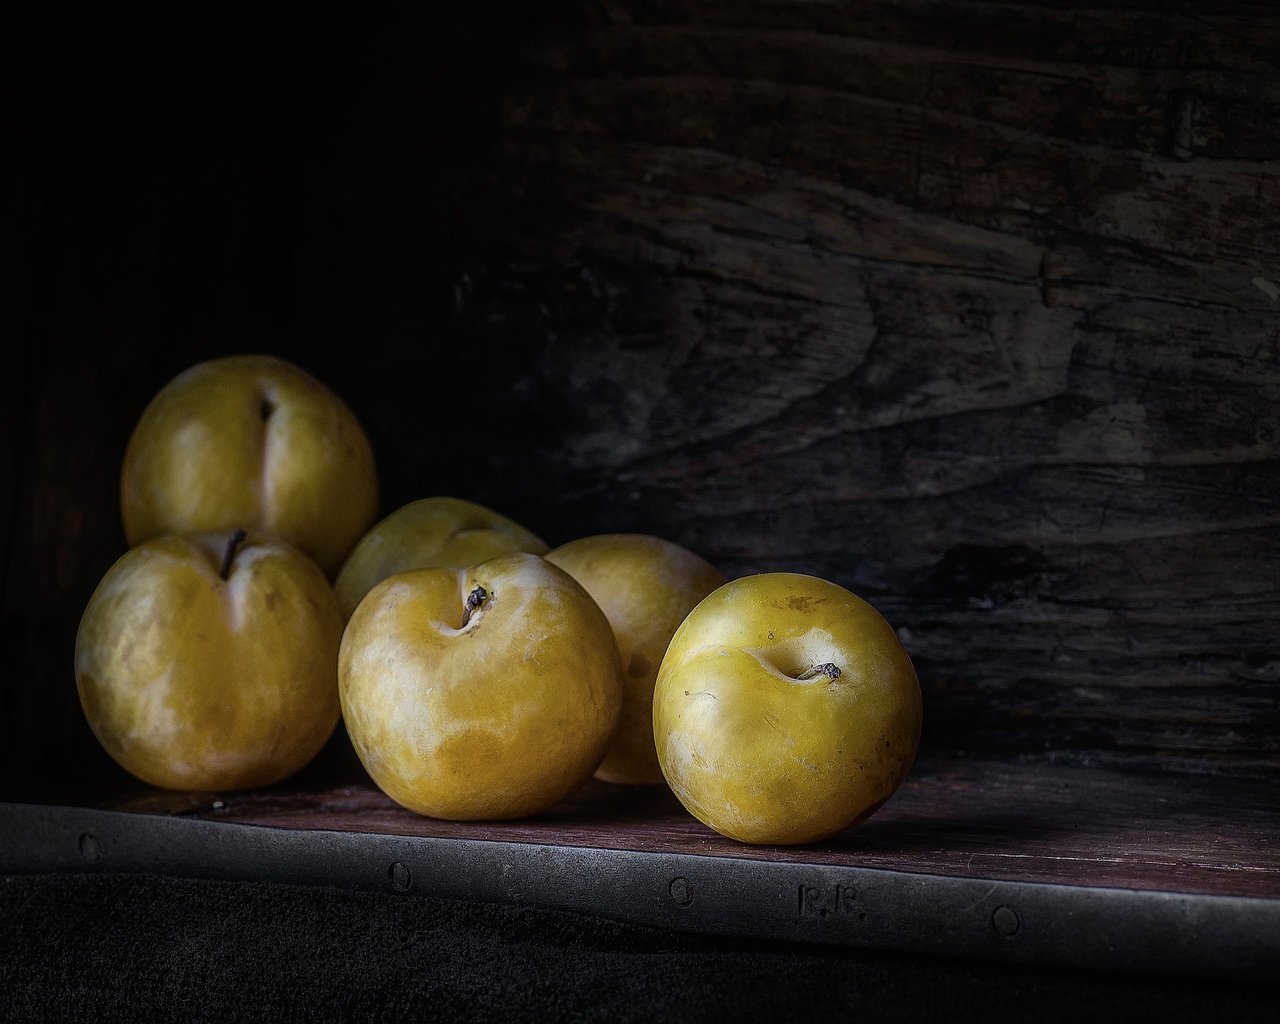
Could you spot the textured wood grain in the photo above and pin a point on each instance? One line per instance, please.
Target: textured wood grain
(974, 308)
(975, 312)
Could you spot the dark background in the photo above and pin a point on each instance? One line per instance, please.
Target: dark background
(253, 182)
(969, 307)
(973, 308)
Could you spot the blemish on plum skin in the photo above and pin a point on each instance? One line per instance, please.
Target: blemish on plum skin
(800, 603)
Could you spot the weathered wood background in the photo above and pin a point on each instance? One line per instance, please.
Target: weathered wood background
(974, 308)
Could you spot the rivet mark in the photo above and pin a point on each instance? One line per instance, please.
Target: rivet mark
(90, 849)
(681, 891)
(400, 876)
(1005, 921)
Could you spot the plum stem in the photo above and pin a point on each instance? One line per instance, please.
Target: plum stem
(475, 599)
(828, 669)
(233, 544)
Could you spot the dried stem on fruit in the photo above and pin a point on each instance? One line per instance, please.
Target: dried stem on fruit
(475, 599)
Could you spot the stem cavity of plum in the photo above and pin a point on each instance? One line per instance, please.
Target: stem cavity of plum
(828, 669)
(228, 556)
(475, 599)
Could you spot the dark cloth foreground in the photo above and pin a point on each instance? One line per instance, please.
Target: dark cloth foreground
(117, 948)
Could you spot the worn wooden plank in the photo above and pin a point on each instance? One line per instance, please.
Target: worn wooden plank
(968, 819)
(974, 308)
(978, 315)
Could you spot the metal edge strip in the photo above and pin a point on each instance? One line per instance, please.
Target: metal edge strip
(1019, 922)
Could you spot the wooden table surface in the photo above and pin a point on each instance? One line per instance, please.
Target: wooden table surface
(967, 819)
